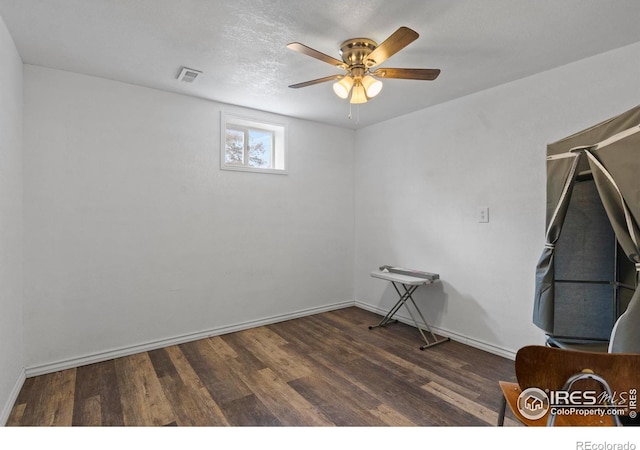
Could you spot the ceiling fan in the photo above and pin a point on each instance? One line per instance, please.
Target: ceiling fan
(359, 58)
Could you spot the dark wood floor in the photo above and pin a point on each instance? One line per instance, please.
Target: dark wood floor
(324, 370)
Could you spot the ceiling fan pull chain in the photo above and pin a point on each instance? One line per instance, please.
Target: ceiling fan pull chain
(357, 113)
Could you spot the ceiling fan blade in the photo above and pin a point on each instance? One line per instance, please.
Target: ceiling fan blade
(312, 82)
(301, 48)
(407, 74)
(402, 37)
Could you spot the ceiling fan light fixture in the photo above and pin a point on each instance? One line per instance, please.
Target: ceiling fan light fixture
(358, 94)
(371, 86)
(360, 56)
(343, 87)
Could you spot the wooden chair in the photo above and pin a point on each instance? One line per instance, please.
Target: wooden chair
(553, 369)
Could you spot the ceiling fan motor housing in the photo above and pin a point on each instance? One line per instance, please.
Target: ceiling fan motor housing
(354, 53)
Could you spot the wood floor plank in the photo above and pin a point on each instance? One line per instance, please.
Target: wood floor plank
(32, 396)
(402, 333)
(391, 417)
(15, 417)
(410, 371)
(216, 375)
(88, 412)
(386, 338)
(143, 400)
(87, 381)
(466, 379)
(326, 362)
(381, 358)
(60, 402)
(322, 370)
(162, 364)
(332, 403)
(190, 401)
(224, 350)
(87, 387)
(481, 412)
(249, 411)
(286, 403)
(110, 403)
(272, 353)
(368, 373)
(417, 373)
(291, 331)
(267, 335)
(51, 403)
(189, 376)
(237, 342)
(26, 391)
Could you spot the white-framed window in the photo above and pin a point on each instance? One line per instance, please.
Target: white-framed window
(252, 145)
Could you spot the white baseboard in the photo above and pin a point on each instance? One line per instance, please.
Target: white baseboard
(13, 396)
(70, 363)
(472, 342)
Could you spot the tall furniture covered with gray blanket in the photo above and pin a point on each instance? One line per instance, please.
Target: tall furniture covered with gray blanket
(587, 275)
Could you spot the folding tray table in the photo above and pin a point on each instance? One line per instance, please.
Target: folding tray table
(409, 284)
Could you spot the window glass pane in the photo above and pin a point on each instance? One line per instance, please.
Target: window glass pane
(234, 147)
(252, 145)
(260, 151)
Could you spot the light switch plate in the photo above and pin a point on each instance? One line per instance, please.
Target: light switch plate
(483, 214)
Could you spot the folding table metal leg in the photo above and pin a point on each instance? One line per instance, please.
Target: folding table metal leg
(386, 320)
(408, 291)
(433, 336)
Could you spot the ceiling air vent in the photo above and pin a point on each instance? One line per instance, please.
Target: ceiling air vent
(188, 75)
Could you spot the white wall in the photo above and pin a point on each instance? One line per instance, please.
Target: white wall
(133, 234)
(11, 328)
(421, 178)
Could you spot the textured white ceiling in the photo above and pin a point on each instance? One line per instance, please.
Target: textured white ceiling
(240, 45)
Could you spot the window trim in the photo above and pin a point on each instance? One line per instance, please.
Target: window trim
(278, 147)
